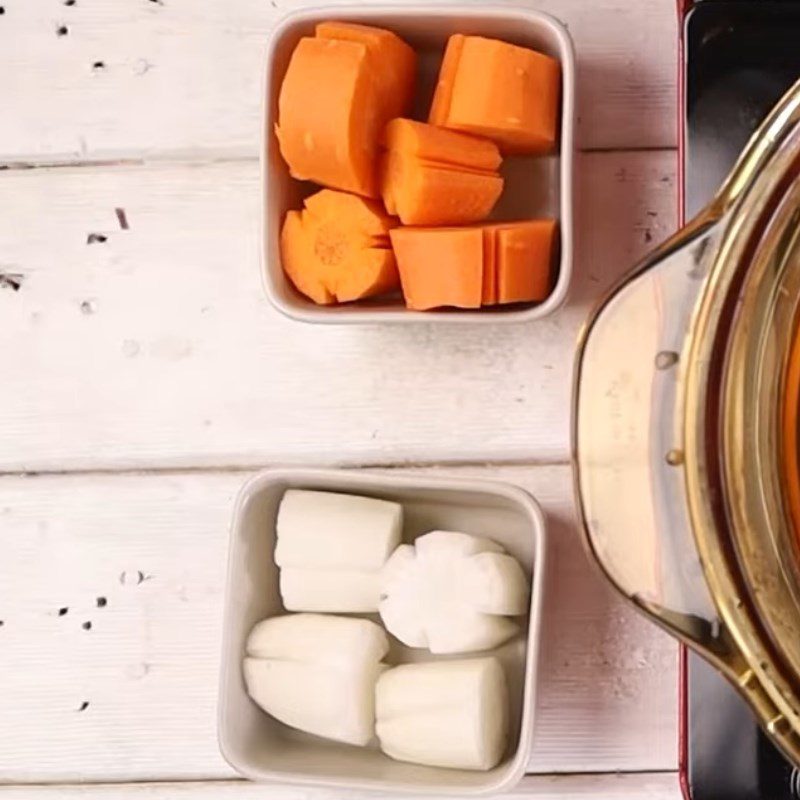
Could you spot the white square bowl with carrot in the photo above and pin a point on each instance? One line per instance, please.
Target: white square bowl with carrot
(417, 165)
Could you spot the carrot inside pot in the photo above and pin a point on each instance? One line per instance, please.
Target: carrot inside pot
(791, 434)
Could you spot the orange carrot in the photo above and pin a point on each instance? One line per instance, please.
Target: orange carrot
(326, 126)
(339, 91)
(393, 63)
(494, 89)
(432, 176)
(441, 146)
(337, 249)
(523, 254)
(439, 266)
(509, 262)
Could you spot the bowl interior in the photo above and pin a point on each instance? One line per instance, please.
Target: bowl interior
(534, 186)
(263, 748)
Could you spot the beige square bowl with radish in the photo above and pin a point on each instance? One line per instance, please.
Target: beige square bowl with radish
(263, 749)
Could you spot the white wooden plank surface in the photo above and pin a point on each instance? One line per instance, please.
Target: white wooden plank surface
(154, 547)
(104, 80)
(658, 786)
(156, 347)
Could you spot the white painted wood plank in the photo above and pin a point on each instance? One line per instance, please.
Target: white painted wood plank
(156, 346)
(133, 698)
(100, 79)
(659, 786)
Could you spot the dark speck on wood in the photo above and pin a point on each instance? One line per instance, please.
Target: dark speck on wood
(648, 237)
(83, 706)
(98, 66)
(69, 2)
(133, 578)
(122, 218)
(62, 611)
(62, 30)
(87, 626)
(96, 238)
(11, 280)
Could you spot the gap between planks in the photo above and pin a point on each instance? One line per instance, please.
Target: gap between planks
(235, 469)
(636, 785)
(201, 159)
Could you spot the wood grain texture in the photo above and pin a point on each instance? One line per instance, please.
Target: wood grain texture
(109, 80)
(658, 786)
(155, 346)
(133, 697)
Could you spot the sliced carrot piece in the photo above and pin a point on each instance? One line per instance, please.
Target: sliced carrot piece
(432, 176)
(441, 146)
(392, 61)
(506, 93)
(337, 249)
(440, 107)
(524, 260)
(440, 266)
(327, 127)
(421, 194)
(508, 262)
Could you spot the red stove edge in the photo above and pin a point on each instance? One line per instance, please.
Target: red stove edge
(684, 6)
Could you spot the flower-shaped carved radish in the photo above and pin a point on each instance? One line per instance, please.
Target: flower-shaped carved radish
(452, 593)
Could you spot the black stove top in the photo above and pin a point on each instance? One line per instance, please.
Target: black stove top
(740, 58)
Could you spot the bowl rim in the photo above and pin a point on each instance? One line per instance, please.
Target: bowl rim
(371, 480)
(566, 171)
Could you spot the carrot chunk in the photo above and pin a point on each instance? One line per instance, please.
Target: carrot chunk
(440, 266)
(337, 248)
(441, 146)
(340, 89)
(523, 255)
(433, 176)
(494, 89)
(509, 262)
(392, 61)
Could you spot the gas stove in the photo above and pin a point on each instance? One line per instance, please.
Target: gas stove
(738, 58)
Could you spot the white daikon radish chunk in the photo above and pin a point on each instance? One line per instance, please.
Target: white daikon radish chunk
(345, 591)
(335, 703)
(499, 583)
(467, 632)
(346, 642)
(329, 531)
(438, 545)
(444, 713)
(451, 592)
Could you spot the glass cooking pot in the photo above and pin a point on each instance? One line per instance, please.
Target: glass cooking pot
(685, 430)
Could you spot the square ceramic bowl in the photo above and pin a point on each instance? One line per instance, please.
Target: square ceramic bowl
(535, 186)
(263, 749)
